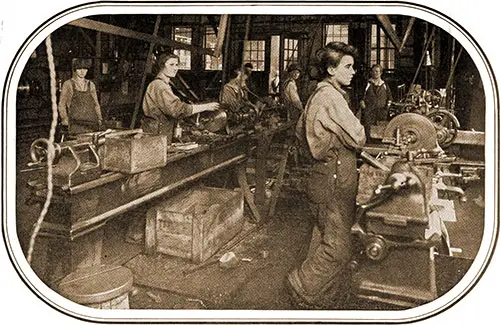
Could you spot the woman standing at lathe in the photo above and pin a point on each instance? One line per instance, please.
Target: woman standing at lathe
(332, 135)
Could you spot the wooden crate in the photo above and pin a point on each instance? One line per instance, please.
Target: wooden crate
(134, 152)
(195, 224)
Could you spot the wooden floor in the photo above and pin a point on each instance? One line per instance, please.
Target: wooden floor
(257, 281)
(265, 256)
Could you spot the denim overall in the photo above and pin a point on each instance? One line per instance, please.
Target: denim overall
(82, 115)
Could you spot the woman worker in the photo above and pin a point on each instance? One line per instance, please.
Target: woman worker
(291, 98)
(78, 104)
(234, 94)
(376, 99)
(161, 106)
(332, 134)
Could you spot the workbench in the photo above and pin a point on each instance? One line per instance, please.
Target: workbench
(73, 227)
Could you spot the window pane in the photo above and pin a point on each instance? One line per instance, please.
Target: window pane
(337, 33)
(385, 53)
(373, 57)
(254, 52)
(209, 42)
(329, 29)
(183, 35)
(260, 56)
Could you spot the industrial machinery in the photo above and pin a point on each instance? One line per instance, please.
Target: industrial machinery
(75, 161)
(429, 103)
(405, 196)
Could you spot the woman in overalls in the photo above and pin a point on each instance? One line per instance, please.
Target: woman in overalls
(376, 100)
(78, 104)
(332, 134)
(290, 95)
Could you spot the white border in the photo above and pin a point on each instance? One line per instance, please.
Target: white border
(12, 38)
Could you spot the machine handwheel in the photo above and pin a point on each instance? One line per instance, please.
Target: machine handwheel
(39, 150)
(446, 125)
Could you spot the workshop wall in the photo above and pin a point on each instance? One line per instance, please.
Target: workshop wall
(120, 63)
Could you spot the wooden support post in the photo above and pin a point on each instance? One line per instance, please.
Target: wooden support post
(279, 182)
(407, 33)
(98, 55)
(225, 57)
(261, 154)
(87, 38)
(389, 30)
(221, 34)
(65, 256)
(242, 182)
(147, 70)
(150, 232)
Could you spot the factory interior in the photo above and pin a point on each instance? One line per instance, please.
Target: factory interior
(218, 214)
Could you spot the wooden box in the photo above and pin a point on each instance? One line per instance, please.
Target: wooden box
(195, 224)
(134, 152)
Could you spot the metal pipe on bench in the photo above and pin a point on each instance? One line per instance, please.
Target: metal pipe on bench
(80, 226)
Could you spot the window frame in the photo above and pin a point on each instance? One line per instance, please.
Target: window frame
(182, 53)
(287, 50)
(385, 54)
(259, 59)
(337, 38)
(219, 60)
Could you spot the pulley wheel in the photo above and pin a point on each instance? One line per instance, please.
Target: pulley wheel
(446, 125)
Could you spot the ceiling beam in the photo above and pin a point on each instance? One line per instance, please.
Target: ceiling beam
(389, 30)
(120, 31)
(407, 33)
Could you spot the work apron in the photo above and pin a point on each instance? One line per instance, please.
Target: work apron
(158, 126)
(82, 115)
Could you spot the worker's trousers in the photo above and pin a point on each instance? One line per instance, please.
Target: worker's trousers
(332, 186)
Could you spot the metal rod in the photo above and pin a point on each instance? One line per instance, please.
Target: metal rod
(372, 161)
(452, 72)
(185, 84)
(81, 225)
(428, 42)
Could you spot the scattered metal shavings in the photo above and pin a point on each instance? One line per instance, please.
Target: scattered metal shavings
(198, 301)
(153, 296)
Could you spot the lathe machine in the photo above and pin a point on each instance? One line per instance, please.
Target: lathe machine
(407, 189)
(98, 176)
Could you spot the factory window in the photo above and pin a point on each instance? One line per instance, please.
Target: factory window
(337, 33)
(290, 52)
(254, 53)
(383, 51)
(183, 35)
(209, 42)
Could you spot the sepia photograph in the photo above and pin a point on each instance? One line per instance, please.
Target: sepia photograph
(235, 162)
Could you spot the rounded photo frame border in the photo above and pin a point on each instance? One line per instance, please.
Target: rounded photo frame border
(79, 312)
